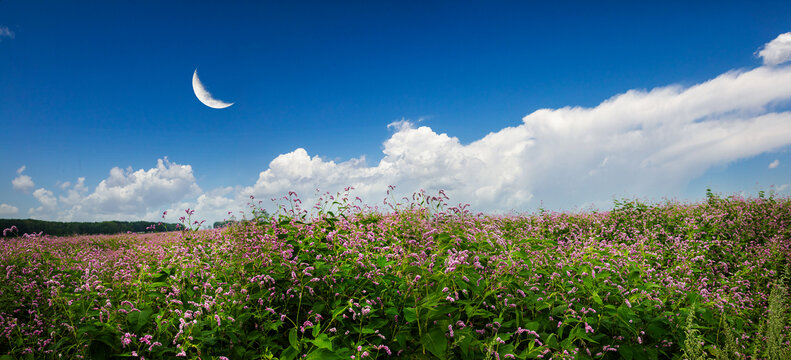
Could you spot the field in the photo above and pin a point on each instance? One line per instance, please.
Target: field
(422, 281)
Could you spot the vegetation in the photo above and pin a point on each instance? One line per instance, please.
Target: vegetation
(56, 228)
(665, 281)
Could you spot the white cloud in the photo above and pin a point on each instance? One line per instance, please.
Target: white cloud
(211, 206)
(6, 210)
(777, 51)
(48, 202)
(129, 192)
(22, 182)
(774, 164)
(6, 32)
(74, 194)
(124, 195)
(647, 143)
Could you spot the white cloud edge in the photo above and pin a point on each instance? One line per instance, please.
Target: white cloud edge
(777, 51)
(663, 137)
(6, 209)
(22, 183)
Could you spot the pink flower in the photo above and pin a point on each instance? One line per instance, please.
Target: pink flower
(588, 328)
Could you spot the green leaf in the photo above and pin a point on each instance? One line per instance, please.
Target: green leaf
(323, 342)
(410, 315)
(290, 353)
(316, 329)
(552, 341)
(434, 341)
(292, 339)
(338, 311)
(596, 298)
(441, 312)
(560, 309)
(533, 325)
(143, 318)
(581, 334)
(505, 349)
(323, 353)
(627, 352)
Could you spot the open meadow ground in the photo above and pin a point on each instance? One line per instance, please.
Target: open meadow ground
(664, 281)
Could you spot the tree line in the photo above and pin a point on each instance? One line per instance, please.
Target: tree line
(57, 228)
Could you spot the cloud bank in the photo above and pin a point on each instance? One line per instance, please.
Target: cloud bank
(123, 195)
(777, 51)
(646, 143)
(22, 182)
(7, 210)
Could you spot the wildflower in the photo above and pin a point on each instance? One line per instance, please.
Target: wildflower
(588, 328)
(126, 339)
(450, 330)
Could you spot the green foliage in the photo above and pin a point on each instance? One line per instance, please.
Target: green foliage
(777, 332)
(643, 281)
(693, 343)
(56, 228)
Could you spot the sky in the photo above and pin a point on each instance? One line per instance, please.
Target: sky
(508, 106)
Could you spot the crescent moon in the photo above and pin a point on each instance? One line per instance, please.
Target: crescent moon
(204, 96)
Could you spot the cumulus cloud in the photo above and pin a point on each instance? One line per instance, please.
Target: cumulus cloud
(49, 202)
(6, 210)
(6, 32)
(774, 164)
(214, 205)
(22, 182)
(646, 143)
(777, 51)
(126, 194)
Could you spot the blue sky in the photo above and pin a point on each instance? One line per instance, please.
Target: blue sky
(645, 99)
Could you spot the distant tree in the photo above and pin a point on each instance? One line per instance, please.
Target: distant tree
(30, 226)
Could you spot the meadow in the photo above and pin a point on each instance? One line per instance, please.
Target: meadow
(423, 280)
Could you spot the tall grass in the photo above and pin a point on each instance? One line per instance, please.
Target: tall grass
(643, 281)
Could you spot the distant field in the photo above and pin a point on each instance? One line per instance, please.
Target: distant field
(663, 281)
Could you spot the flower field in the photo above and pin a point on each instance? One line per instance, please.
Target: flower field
(424, 281)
